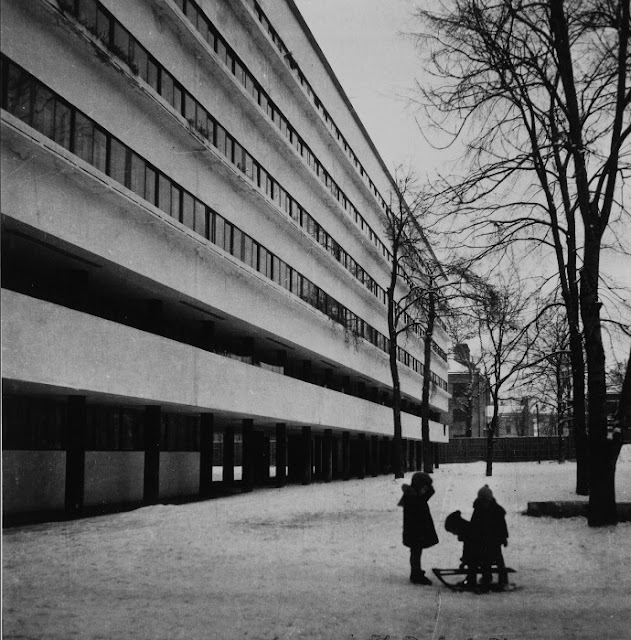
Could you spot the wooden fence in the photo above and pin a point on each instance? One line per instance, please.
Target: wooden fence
(520, 449)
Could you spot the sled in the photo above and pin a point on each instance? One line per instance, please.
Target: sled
(458, 586)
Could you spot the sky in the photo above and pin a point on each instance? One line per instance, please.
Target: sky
(377, 64)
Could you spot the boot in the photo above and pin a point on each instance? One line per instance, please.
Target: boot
(419, 577)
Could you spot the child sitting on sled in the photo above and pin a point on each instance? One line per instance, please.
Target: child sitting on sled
(482, 540)
(470, 561)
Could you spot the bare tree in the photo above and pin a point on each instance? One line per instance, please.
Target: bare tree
(549, 377)
(415, 297)
(539, 94)
(505, 337)
(402, 297)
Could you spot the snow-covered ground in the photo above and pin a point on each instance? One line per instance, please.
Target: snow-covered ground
(323, 561)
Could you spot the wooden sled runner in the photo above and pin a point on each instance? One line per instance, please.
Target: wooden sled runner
(458, 586)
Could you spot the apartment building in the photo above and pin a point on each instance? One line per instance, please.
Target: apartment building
(194, 256)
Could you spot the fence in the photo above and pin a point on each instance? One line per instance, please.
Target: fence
(504, 449)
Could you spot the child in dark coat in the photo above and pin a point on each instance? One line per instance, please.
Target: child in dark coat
(470, 560)
(489, 531)
(418, 527)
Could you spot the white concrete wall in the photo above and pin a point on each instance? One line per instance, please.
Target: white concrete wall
(33, 481)
(113, 477)
(179, 474)
(56, 347)
(58, 196)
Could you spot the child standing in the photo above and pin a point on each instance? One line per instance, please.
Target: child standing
(489, 530)
(418, 526)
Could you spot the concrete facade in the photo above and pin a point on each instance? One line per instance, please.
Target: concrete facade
(193, 244)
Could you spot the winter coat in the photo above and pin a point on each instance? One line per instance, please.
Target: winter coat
(488, 528)
(470, 548)
(418, 525)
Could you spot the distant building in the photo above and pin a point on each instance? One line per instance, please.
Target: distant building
(469, 400)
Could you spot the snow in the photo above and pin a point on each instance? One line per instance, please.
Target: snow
(320, 561)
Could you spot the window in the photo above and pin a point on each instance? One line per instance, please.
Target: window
(139, 60)
(296, 283)
(220, 138)
(44, 111)
(150, 185)
(164, 194)
(87, 13)
(121, 42)
(220, 231)
(190, 109)
(176, 202)
(262, 264)
(227, 236)
(238, 157)
(103, 25)
(276, 269)
(153, 75)
(188, 210)
(63, 120)
(200, 224)
(19, 94)
(237, 243)
(191, 13)
(118, 161)
(167, 87)
(249, 251)
(202, 124)
(137, 175)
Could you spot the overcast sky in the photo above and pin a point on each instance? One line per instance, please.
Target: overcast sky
(377, 66)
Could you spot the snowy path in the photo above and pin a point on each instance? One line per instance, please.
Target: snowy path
(323, 561)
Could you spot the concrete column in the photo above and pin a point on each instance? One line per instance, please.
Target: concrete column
(265, 460)
(281, 358)
(317, 456)
(327, 455)
(436, 454)
(228, 456)
(75, 455)
(306, 454)
(361, 456)
(248, 347)
(247, 455)
(281, 454)
(206, 433)
(375, 450)
(153, 422)
(153, 315)
(386, 454)
(74, 283)
(346, 455)
(208, 340)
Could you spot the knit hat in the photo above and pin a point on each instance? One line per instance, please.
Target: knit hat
(420, 479)
(485, 493)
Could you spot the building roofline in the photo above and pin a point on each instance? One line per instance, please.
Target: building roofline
(294, 9)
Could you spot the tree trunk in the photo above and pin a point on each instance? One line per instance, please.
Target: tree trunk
(578, 413)
(428, 461)
(396, 384)
(603, 449)
(490, 433)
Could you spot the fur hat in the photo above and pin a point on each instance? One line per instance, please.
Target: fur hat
(420, 479)
(485, 493)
